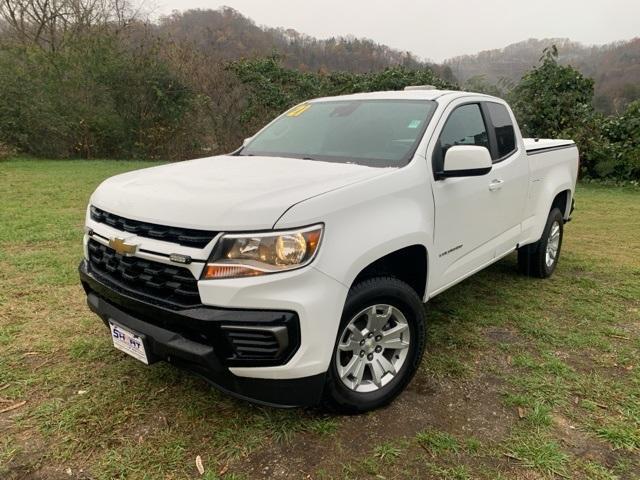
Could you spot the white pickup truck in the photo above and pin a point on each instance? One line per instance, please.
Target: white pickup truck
(294, 270)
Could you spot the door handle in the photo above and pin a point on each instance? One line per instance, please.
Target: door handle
(495, 184)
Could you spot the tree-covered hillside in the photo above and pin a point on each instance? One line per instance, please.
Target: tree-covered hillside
(615, 67)
(229, 35)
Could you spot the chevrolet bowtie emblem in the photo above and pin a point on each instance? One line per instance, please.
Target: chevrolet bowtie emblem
(121, 247)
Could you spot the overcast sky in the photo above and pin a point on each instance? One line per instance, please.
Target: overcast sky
(440, 29)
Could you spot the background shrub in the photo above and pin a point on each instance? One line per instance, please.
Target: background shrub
(97, 97)
(272, 88)
(556, 101)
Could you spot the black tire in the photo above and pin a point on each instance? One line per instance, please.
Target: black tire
(532, 258)
(380, 290)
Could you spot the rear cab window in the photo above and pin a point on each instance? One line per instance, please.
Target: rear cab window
(503, 131)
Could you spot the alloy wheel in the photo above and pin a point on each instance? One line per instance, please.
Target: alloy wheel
(553, 244)
(372, 348)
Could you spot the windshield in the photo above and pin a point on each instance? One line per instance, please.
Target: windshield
(380, 133)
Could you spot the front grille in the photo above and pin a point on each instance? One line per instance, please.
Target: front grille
(256, 343)
(164, 283)
(183, 236)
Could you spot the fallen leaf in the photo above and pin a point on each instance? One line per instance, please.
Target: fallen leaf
(13, 407)
(224, 469)
(199, 465)
(81, 392)
(509, 359)
(522, 412)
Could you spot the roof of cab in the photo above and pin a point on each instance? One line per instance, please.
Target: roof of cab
(402, 95)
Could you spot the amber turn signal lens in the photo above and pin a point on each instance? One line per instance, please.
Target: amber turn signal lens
(229, 271)
(313, 238)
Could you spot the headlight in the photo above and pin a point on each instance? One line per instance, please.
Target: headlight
(248, 255)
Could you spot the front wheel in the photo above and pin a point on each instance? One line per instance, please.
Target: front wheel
(540, 259)
(379, 346)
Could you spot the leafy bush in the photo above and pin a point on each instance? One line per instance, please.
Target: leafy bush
(94, 98)
(551, 98)
(274, 88)
(556, 101)
(623, 134)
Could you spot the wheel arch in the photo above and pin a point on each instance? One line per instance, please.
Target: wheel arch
(409, 264)
(562, 201)
(548, 197)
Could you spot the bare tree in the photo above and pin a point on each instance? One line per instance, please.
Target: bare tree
(50, 23)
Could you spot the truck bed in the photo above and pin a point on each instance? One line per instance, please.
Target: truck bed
(553, 168)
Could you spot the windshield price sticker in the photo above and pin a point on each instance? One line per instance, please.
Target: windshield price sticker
(299, 110)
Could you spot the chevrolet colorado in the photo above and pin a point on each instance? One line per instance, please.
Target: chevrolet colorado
(294, 270)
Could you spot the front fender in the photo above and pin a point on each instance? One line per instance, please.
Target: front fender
(367, 221)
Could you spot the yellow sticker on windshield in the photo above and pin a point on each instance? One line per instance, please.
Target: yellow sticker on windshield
(298, 110)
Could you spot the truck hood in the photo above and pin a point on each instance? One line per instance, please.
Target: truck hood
(224, 192)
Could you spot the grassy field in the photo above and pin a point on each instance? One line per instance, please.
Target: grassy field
(522, 378)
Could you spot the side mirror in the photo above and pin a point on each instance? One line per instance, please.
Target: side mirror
(466, 161)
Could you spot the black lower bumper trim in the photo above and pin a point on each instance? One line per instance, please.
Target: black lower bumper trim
(164, 344)
(208, 325)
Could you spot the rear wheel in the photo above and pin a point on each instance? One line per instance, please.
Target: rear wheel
(379, 346)
(540, 259)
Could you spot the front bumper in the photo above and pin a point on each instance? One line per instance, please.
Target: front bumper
(186, 338)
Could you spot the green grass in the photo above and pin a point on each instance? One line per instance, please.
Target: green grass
(387, 451)
(540, 454)
(522, 378)
(437, 442)
(622, 434)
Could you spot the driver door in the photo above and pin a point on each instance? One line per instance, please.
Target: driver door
(467, 215)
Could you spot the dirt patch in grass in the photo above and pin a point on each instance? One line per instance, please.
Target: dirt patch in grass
(31, 453)
(580, 443)
(463, 408)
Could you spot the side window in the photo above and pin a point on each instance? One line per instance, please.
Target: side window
(465, 126)
(503, 128)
